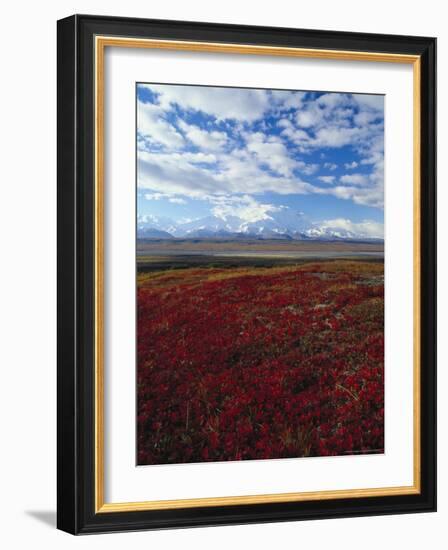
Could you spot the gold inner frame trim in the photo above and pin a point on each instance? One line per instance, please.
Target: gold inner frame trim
(101, 42)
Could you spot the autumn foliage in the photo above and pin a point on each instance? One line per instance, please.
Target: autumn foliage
(238, 364)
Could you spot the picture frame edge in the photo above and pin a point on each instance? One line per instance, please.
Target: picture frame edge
(75, 476)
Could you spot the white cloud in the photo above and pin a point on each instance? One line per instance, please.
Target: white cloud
(198, 158)
(292, 100)
(355, 179)
(244, 207)
(351, 165)
(336, 120)
(308, 169)
(239, 171)
(365, 117)
(167, 196)
(271, 152)
(207, 141)
(309, 117)
(297, 136)
(334, 136)
(375, 157)
(222, 103)
(373, 102)
(332, 100)
(174, 174)
(366, 196)
(243, 172)
(327, 179)
(155, 196)
(177, 200)
(330, 165)
(154, 128)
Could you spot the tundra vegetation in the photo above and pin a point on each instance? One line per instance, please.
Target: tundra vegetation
(256, 362)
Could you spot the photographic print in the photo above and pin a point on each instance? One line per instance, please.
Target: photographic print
(260, 274)
(235, 328)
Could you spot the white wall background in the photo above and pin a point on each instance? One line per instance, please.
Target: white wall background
(28, 272)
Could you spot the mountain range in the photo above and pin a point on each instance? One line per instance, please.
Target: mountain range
(281, 224)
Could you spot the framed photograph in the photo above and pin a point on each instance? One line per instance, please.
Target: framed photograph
(246, 274)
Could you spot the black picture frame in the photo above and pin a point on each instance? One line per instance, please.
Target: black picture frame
(76, 256)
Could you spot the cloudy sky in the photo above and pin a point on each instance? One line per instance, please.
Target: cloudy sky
(248, 153)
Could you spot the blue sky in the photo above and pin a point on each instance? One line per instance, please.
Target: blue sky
(249, 153)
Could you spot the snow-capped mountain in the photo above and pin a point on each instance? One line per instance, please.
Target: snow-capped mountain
(346, 230)
(152, 233)
(148, 222)
(283, 223)
(332, 233)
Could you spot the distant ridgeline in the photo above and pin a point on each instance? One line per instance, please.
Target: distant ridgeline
(286, 226)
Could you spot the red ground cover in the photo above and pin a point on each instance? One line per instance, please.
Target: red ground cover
(256, 364)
